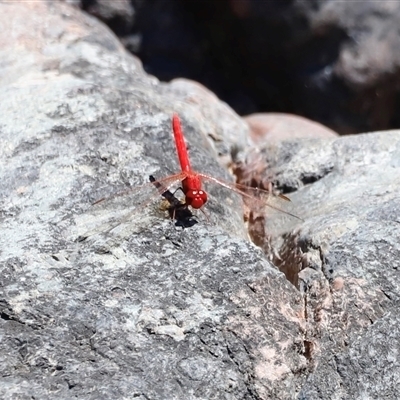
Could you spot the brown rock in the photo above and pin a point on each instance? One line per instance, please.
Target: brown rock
(277, 126)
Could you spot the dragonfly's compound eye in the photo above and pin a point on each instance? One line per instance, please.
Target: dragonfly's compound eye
(196, 198)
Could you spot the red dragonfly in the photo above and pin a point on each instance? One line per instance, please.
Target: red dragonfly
(195, 196)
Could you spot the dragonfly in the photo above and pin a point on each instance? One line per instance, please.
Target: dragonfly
(192, 185)
(196, 197)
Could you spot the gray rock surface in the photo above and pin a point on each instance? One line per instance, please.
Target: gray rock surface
(345, 258)
(145, 311)
(150, 311)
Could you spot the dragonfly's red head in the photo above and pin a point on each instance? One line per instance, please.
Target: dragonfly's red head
(196, 198)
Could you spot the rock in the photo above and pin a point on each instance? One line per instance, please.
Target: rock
(267, 127)
(345, 257)
(118, 15)
(145, 310)
(368, 366)
(332, 62)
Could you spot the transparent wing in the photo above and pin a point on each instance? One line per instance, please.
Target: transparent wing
(256, 199)
(137, 191)
(108, 213)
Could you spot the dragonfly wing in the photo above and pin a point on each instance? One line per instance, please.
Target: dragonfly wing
(255, 198)
(109, 212)
(167, 182)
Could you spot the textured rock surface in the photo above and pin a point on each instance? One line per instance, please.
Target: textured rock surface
(149, 311)
(347, 262)
(144, 311)
(267, 127)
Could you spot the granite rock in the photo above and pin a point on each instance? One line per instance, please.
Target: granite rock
(145, 310)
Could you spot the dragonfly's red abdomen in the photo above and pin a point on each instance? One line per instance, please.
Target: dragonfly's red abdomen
(180, 144)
